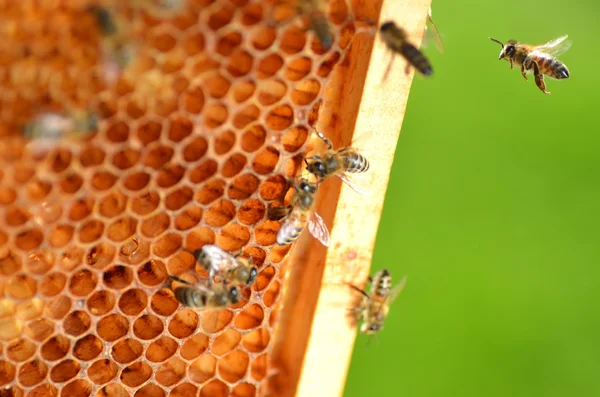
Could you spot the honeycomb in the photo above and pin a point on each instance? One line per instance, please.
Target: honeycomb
(197, 137)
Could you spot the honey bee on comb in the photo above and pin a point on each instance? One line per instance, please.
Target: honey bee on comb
(375, 306)
(396, 40)
(299, 214)
(234, 270)
(537, 59)
(200, 296)
(342, 163)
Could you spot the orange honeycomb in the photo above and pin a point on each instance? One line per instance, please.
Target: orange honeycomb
(197, 136)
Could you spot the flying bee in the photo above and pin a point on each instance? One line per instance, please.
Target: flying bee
(537, 59)
(299, 214)
(340, 163)
(374, 307)
(317, 21)
(235, 270)
(395, 38)
(200, 296)
(117, 48)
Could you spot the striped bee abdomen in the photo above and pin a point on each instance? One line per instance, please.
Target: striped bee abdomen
(416, 58)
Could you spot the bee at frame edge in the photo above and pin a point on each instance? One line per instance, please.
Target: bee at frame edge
(299, 214)
(374, 307)
(395, 38)
(200, 296)
(339, 163)
(235, 270)
(537, 59)
(317, 21)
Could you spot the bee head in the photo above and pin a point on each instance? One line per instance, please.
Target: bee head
(317, 167)
(234, 295)
(305, 186)
(370, 329)
(252, 276)
(508, 50)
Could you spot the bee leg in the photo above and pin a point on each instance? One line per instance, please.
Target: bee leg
(179, 280)
(389, 68)
(511, 64)
(524, 72)
(327, 141)
(354, 287)
(407, 69)
(539, 78)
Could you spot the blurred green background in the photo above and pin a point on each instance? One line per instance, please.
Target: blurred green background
(492, 213)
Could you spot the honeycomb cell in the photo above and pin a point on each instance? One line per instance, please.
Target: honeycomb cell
(257, 341)
(298, 68)
(240, 63)
(55, 348)
(214, 388)
(225, 342)
(113, 390)
(193, 100)
(101, 302)
(327, 65)
(122, 229)
(126, 158)
(194, 347)
(294, 139)
(151, 390)
(195, 150)
(91, 231)
(148, 132)
(183, 324)
(16, 217)
(30, 309)
(117, 277)
(135, 110)
(233, 367)
(179, 198)
(118, 132)
(21, 287)
(266, 160)
(242, 90)
(271, 92)
(203, 171)
(184, 390)
(193, 42)
(49, 212)
(253, 138)
(20, 350)
(127, 350)
(29, 239)
(244, 390)
(136, 181)
(167, 245)
(215, 320)
(163, 303)
(215, 114)
(161, 349)
(71, 183)
(226, 44)
(58, 307)
(87, 348)
(203, 369)
(251, 212)
(8, 195)
(44, 390)
(91, 157)
(246, 115)
(265, 233)
(77, 322)
(22, 173)
(171, 372)
(145, 203)
(112, 327)
(152, 273)
(220, 213)
(136, 374)
(189, 218)
(162, 41)
(11, 263)
(112, 204)
(61, 235)
(273, 188)
(7, 372)
(83, 282)
(81, 209)
(102, 371)
(155, 225)
(133, 301)
(251, 317)
(71, 257)
(132, 249)
(280, 117)
(77, 388)
(269, 66)
(31, 373)
(180, 128)
(293, 40)
(37, 190)
(103, 180)
(305, 92)
(221, 17)
(210, 192)
(258, 369)
(147, 327)
(233, 237)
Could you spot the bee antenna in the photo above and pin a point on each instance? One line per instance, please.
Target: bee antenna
(496, 41)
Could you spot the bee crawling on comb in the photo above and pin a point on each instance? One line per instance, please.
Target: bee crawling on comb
(201, 296)
(537, 59)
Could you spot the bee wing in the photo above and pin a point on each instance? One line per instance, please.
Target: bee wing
(396, 290)
(555, 47)
(434, 32)
(219, 258)
(356, 183)
(319, 230)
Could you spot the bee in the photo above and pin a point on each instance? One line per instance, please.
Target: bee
(375, 306)
(340, 163)
(539, 59)
(395, 38)
(299, 214)
(317, 21)
(216, 260)
(116, 46)
(200, 296)
(159, 7)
